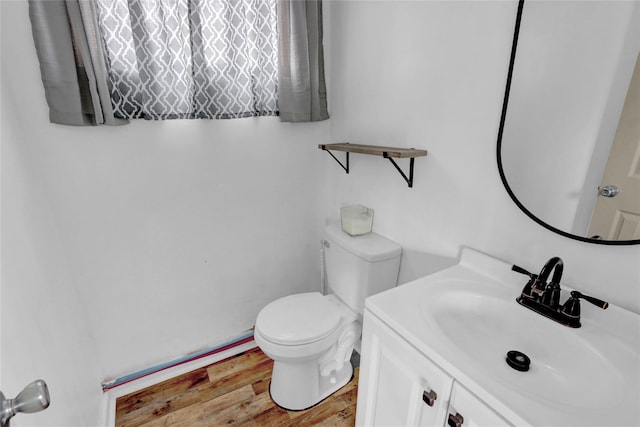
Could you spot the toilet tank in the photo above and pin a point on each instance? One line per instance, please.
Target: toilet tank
(360, 266)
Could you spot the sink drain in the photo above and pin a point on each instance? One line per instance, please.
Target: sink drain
(518, 360)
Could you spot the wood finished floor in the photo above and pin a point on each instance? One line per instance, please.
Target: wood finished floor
(234, 391)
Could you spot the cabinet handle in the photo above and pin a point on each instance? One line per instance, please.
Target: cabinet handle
(455, 420)
(429, 397)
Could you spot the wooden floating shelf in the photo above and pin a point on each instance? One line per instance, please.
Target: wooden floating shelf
(374, 150)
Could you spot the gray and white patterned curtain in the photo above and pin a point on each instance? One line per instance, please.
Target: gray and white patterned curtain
(191, 58)
(106, 61)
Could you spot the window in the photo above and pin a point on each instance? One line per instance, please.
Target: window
(171, 59)
(105, 61)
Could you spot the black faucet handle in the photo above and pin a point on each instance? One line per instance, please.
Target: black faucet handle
(595, 301)
(533, 289)
(521, 270)
(571, 308)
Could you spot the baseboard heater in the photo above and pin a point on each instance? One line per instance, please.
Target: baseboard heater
(111, 384)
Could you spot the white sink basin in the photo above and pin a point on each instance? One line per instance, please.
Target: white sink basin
(466, 319)
(484, 322)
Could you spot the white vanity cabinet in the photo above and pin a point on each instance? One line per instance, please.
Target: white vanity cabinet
(399, 386)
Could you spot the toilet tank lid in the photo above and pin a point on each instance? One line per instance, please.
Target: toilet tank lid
(370, 247)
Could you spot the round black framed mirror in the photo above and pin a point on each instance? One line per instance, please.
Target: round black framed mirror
(570, 119)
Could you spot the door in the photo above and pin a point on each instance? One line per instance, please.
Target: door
(618, 217)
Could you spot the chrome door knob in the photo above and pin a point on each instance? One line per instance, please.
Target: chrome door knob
(609, 191)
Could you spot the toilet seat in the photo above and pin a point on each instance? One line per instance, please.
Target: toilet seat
(298, 319)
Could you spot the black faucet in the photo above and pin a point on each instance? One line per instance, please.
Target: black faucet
(544, 298)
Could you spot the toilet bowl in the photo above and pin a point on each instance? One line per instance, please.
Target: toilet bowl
(310, 338)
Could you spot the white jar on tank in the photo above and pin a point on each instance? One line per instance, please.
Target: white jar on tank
(311, 336)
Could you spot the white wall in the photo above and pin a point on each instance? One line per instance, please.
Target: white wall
(153, 239)
(45, 333)
(431, 75)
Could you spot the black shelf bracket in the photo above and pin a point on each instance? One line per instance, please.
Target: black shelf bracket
(409, 179)
(346, 168)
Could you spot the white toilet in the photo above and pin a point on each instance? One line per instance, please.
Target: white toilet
(310, 336)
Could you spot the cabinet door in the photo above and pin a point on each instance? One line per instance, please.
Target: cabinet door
(466, 410)
(398, 385)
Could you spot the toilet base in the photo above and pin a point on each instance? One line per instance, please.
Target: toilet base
(299, 386)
